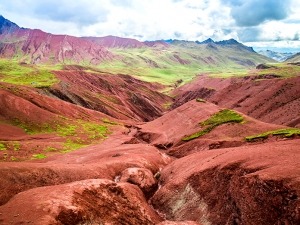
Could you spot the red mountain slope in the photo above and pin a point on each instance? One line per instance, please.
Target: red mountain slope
(272, 100)
(115, 42)
(36, 46)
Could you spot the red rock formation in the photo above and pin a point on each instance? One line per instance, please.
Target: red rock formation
(88, 201)
(257, 184)
(272, 100)
(167, 131)
(119, 96)
(142, 177)
(36, 46)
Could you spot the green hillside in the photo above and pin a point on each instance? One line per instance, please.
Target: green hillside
(181, 61)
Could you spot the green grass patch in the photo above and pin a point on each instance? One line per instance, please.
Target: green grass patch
(2, 147)
(32, 128)
(50, 149)
(180, 62)
(11, 71)
(77, 133)
(39, 156)
(282, 70)
(71, 145)
(65, 127)
(287, 132)
(94, 131)
(16, 145)
(219, 118)
(66, 130)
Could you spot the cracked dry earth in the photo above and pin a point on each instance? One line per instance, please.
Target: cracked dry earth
(145, 174)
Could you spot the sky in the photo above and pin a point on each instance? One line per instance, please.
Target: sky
(266, 24)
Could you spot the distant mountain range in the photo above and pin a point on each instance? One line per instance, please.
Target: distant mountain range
(278, 56)
(294, 58)
(35, 46)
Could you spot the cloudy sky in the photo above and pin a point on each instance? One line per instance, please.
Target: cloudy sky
(257, 23)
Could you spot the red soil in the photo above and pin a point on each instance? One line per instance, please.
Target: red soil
(89, 201)
(23, 105)
(121, 96)
(106, 160)
(116, 42)
(271, 100)
(27, 103)
(178, 223)
(48, 48)
(167, 131)
(257, 184)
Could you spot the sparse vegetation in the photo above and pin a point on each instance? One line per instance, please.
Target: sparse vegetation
(219, 118)
(16, 145)
(50, 149)
(2, 147)
(71, 145)
(77, 133)
(160, 65)
(200, 100)
(66, 130)
(167, 105)
(106, 120)
(12, 158)
(287, 132)
(11, 71)
(39, 156)
(282, 70)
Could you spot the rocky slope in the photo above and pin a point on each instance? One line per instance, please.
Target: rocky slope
(81, 109)
(168, 131)
(268, 98)
(120, 96)
(36, 46)
(257, 184)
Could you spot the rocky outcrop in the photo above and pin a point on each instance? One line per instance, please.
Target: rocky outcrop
(141, 177)
(83, 202)
(121, 97)
(256, 184)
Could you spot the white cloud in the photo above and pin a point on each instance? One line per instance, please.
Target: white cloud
(149, 20)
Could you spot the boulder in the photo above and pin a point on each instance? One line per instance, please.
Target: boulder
(141, 177)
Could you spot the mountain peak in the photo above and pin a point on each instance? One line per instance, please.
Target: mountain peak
(7, 26)
(234, 43)
(207, 41)
(228, 42)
